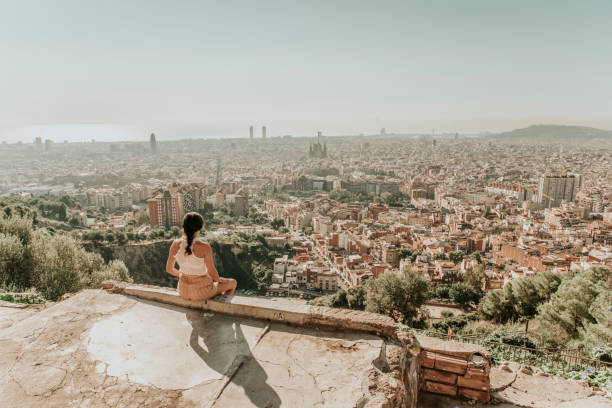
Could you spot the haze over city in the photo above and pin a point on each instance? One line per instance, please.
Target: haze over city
(117, 70)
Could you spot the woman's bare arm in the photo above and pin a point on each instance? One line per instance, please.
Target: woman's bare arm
(170, 262)
(203, 250)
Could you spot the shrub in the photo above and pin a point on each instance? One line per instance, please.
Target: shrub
(475, 276)
(356, 297)
(463, 294)
(442, 292)
(455, 323)
(12, 261)
(397, 294)
(52, 263)
(512, 339)
(602, 352)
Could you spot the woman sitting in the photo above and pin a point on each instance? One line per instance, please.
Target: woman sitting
(198, 277)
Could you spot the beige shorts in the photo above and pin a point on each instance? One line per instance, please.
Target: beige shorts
(195, 287)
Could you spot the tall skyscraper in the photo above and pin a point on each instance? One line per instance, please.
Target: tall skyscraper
(153, 143)
(554, 189)
(263, 132)
(251, 132)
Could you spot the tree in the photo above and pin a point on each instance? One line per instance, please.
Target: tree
(68, 201)
(463, 294)
(61, 212)
(475, 277)
(277, 223)
(569, 308)
(456, 256)
(498, 305)
(476, 256)
(356, 297)
(386, 197)
(397, 294)
(12, 268)
(339, 299)
(21, 227)
(442, 292)
(527, 297)
(74, 222)
(175, 231)
(142, 217)
(121, 238)
(353, 298)
(440, 256)
(343, 196)
(408, 253)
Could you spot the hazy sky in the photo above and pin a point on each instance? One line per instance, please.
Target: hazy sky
(210, 69)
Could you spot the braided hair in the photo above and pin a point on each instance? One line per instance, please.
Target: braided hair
(192, 223)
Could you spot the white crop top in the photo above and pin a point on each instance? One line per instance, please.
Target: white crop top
(190, 264)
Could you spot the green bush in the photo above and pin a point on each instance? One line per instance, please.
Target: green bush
(602, 352)
(52, 263)
(397, 294)
(513, 339)
(442, 292)
(463, 294)
(456, 324)
(353, 298)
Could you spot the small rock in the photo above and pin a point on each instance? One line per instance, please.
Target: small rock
(526, 370)
(584, 383)
(542, 373)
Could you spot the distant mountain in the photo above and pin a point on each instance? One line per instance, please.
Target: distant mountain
(556, 133)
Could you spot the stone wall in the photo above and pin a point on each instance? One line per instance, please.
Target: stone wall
(393, 381)
(454, 369)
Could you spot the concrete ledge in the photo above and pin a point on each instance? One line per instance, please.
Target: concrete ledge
(278, 310)
(451, 348)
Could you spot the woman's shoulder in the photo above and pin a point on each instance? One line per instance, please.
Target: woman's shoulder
(200, 243)
(200, 248)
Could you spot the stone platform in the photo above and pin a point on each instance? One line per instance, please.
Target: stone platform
(99, 349)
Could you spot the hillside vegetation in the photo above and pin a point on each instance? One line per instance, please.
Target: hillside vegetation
(52, 263)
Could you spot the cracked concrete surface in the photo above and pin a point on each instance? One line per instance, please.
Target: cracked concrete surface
(107, 350)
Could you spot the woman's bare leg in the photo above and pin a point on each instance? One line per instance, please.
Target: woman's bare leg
(226, 286)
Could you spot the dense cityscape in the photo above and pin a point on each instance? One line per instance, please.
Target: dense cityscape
(351, 208)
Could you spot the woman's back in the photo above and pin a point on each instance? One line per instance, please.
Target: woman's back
(190, 264)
